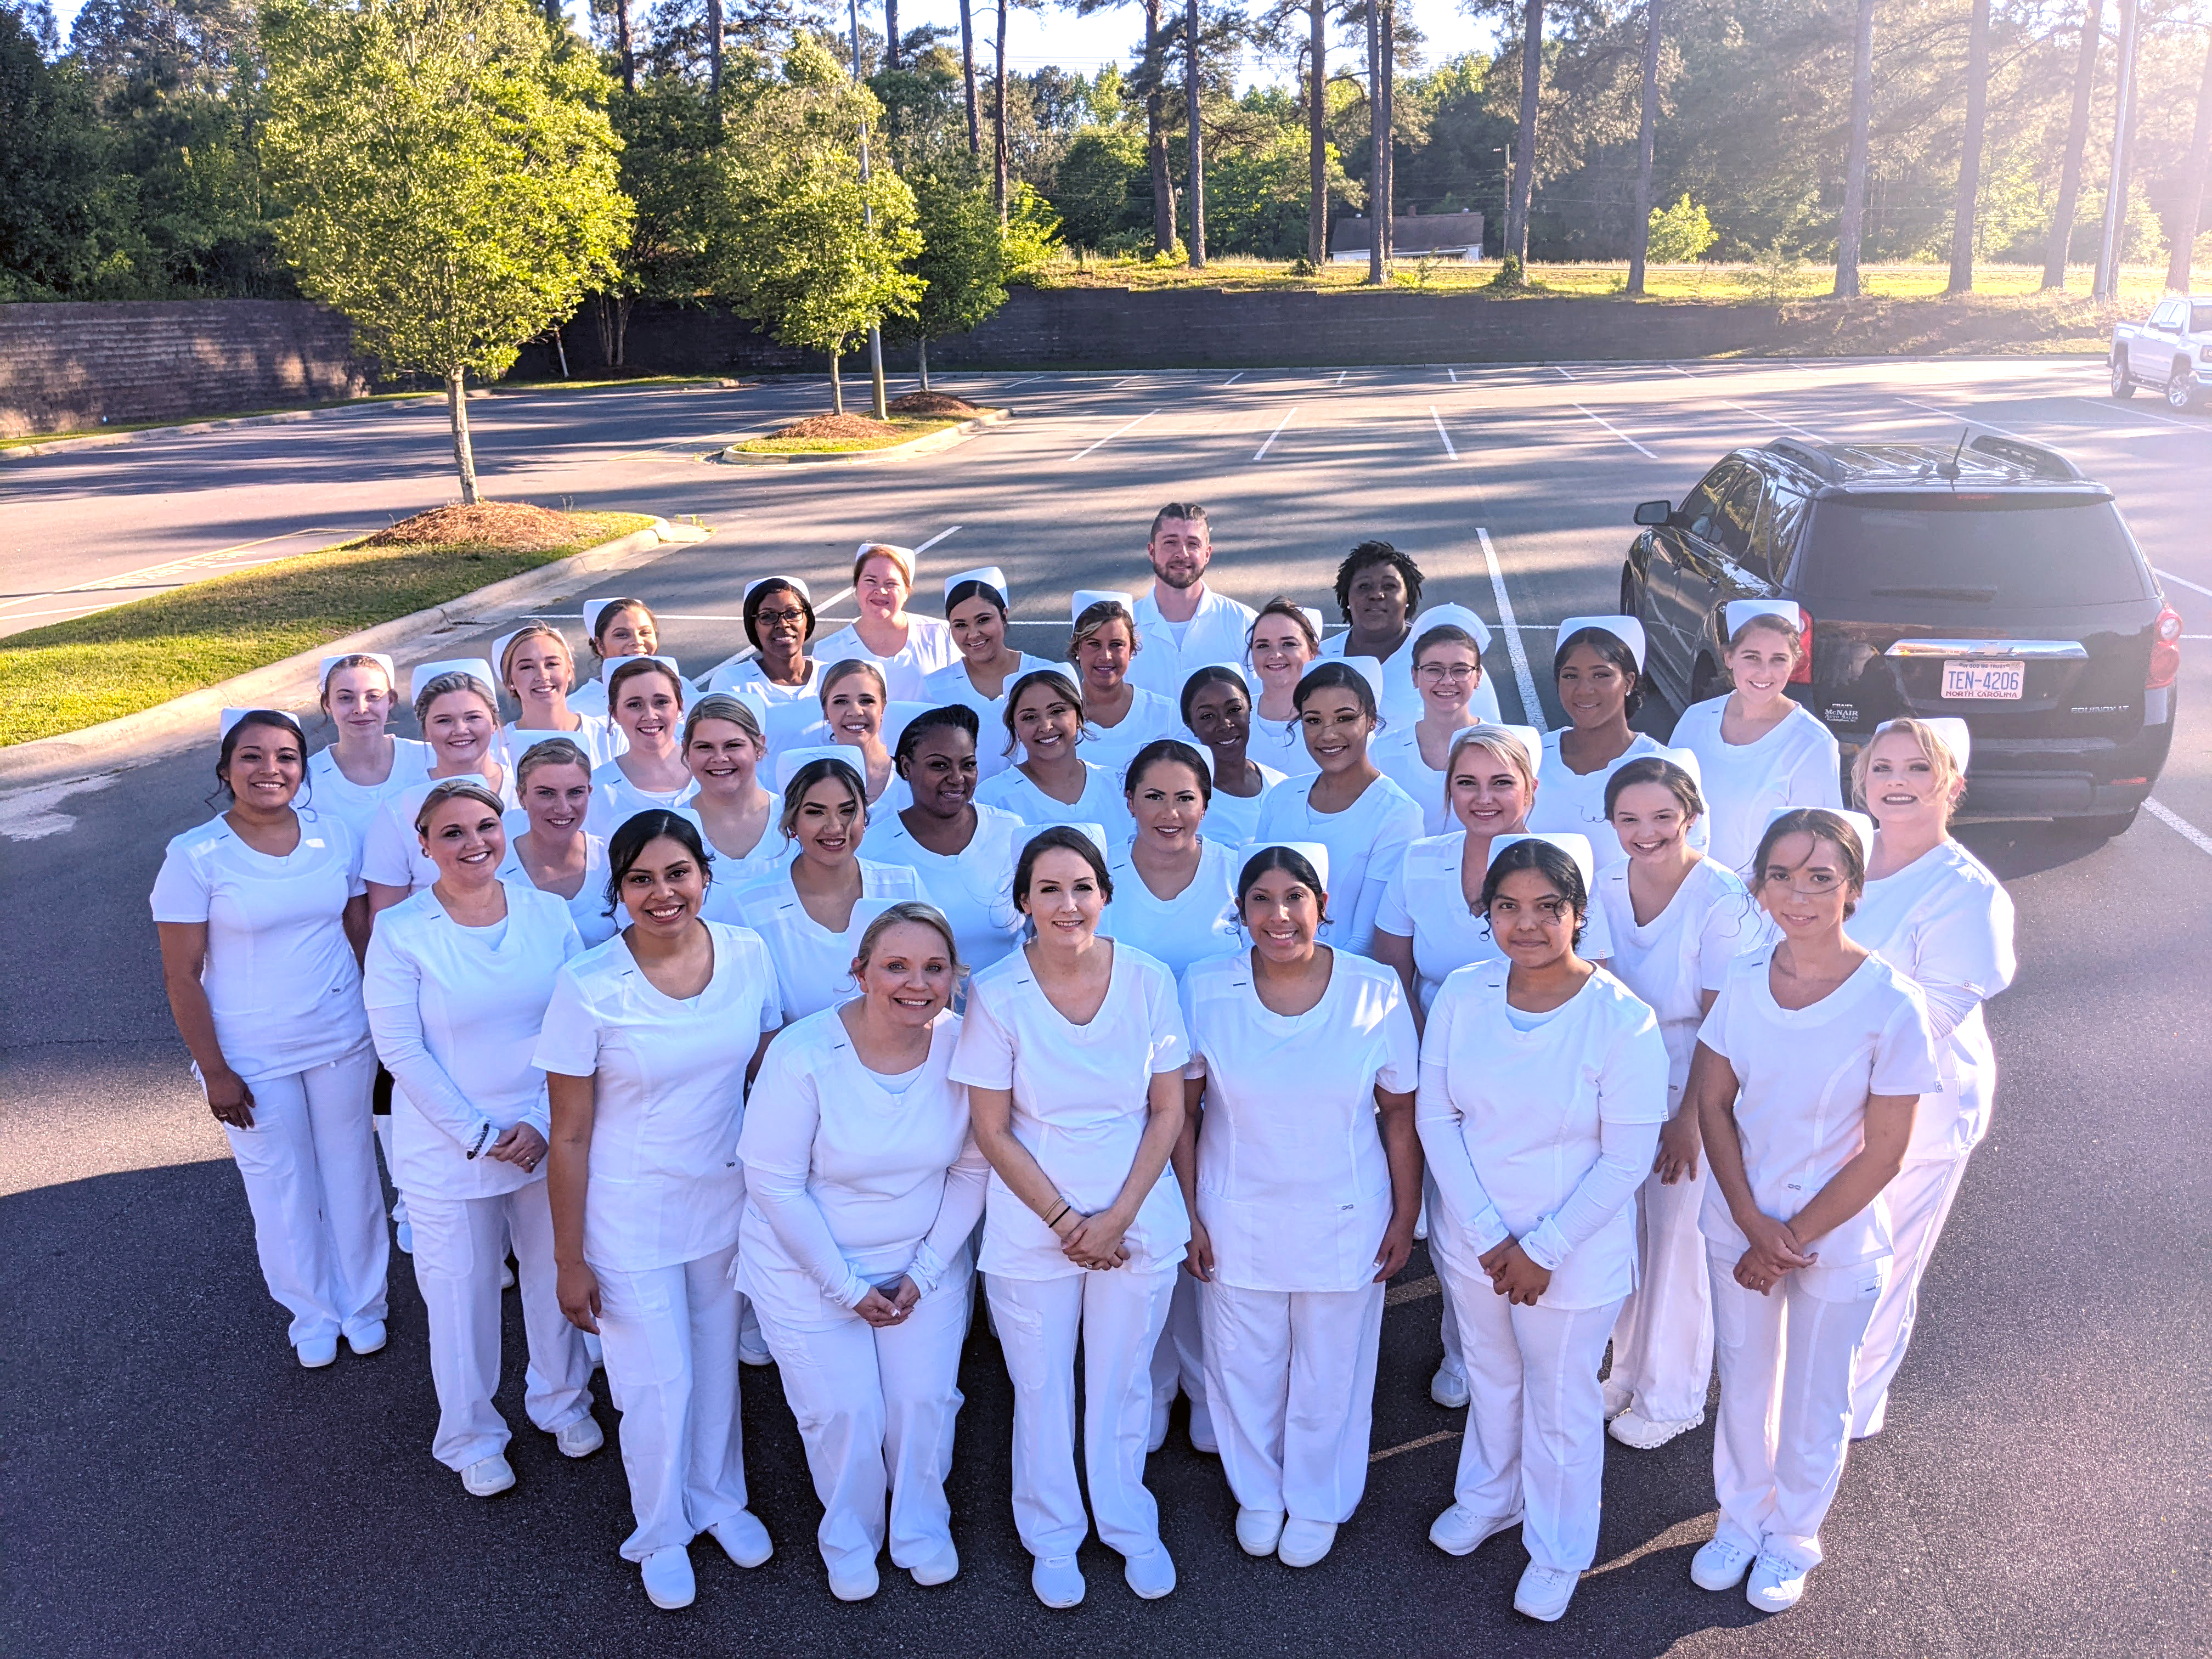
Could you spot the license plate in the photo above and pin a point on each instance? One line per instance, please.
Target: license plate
(1984, 681)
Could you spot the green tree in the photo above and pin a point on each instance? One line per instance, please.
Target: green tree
(451, 176)
(968, 258)
(1681, 232)
(61, 224)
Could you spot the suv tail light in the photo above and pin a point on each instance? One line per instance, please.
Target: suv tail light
(2165, 650)
(1802, 674)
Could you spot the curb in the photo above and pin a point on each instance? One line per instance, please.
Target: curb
(152, 734)
(926, 445)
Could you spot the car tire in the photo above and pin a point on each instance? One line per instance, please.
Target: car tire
(2122, 386)
(1631, 593)
(1705, 681)
(2181, 389)
(2106, 825)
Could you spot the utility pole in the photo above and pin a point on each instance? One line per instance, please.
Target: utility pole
(2107, 285)
(868, 218)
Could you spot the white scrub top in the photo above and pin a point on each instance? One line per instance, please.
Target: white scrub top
(1402, 698)
(1544, 1134)
(668, 1080)
(391, 855)
(1081, 1102)
(951, 686)
(456, 1012)
(354, 804)
(848, 1185)
(733, 874)
(1198, 922)
(1215, 633)
(1293, 1184)
(599, 738)
(1281, 744)
(1744, 784)
(1946, 923)
(1101, 801)
(975, 887)
(812, 964)
(1397, 752)
(1426, 902)
(1366, 843)
(590, 699)
(928, 647)
(1805, 1074)
(1574, 802)
(615, 800)
(1150, 715)
(1684, 952)
(280, 975)
(745, 674)
(588, 909)
(1235, 819)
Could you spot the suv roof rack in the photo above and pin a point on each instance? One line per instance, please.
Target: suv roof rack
(2044, 463)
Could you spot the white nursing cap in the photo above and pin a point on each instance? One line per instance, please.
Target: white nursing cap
(788, 763)
(791, 582)
(228, 718)
(989, 574)
(1531, 741)
(476, 667)
(1577, 847)
(907, 557)
(1861, 825)
(1740, 612)
(592, 608)
(499, 646)
(607, 668)
(329, 667)
(1313, 852)
(1457, 616)
(1095, 833)
(1243, 671)
(1371, 670)
(1951, 732)
(1626, 629)
(750, 695)
(1086, 597)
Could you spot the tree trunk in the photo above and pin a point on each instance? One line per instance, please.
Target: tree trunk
(1190, 92)
(836, 380)
(1389, 221)
(1376, 206)
(890, 35)
(1850, 230)
(625, 46)
(1640, 241)
(561, 350)
(715, 28)
(1524, 147)
(968, 76)
(2111, 248)
(999, 121)
(1970, 151)
(1156, 137)
(465, 457)
(1317, 134)
(2189, 201)
(556, 16)
(921, 362)
(2077, 142)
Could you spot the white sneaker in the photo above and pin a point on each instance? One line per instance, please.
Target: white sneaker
(1719, 1564)
(1461, 1531)
(751, 1351)
(1258, 1531)
(404, 1237)
(1619, 1396)
(488, 1477)
(667, 1576)
(1159, 1436)
(1448, 1388)
(367, 1337)
(593, 1350)
(1776, 1584)
(579, 1438)
(1151, 1576)
(1869, 1422)
(1305, 1542)
(317, 1352)
(855, 1581)
(1544, 1592)
(1202, 1437)
(941, 1568)
(742, 1538)
(506, 1275)
(1633, 1428)
(1057, 1581)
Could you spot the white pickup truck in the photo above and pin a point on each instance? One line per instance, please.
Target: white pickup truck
(2171, 351)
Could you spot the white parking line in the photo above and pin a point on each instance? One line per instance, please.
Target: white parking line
(1562, 373)
(937, 537)
(1965, 420)
(2194, 587)
(1233, 379)
(1341, 374)
(1441, 433)
(1771, 421)
(1114, 433)
(1531, 711)
(1454, 376)
(2104, 408)
(1261, 454)
(196, 560)
(1619, 434)
(2180, 826)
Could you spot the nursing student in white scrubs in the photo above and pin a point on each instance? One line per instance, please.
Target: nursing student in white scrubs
(976, 604)
(1185, 623)
(459, 714)
(1378, 594)
(778, 613)
(456, 983)
(724, 749)
(1809, 1070)
(1217, 710)
(963, 853)
(1284, 640)
(538, 671)
(812, 910)
(862, 1188)
(645, 695)
(1119, 716)
(1758, 749)
(262, 921)
(1072, 1049)
(1934, 911)
(547, 845)
(855, 701)
(1598, 672)
(364, 764)
(1303, 1173)
(617, 628)
(1365, 820)
(1678, 919)
(1447, 670)
(908, 648)
(1052, 781)
(1543, 1086)
(648, 1043)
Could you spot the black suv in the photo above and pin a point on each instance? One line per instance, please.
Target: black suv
(1992, 581)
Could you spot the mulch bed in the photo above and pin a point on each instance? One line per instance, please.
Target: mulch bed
(837, 426)
(515, 524)
(932, 403)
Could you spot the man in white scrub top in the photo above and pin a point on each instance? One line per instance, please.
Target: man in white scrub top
(1184, 624)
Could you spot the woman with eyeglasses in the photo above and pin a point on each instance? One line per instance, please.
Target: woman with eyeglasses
(778, 621)
(1447, 670)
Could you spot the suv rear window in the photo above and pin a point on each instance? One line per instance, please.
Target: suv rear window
(2010, 552)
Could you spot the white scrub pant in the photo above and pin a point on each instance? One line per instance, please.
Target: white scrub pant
(460, 1244)
(1291, 1376)
(1179, 1357)
(1663, 1348)
(1920, 1201)
(876, 1409)
(669, 1336)
(1535, 1418)
(1785, 1411)
(1118, 1314)
(309, 1165)
(1455, 1361)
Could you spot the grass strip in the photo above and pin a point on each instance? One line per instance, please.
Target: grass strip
(70, 675)
(910, 428)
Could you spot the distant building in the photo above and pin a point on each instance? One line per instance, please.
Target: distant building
(1413, 236)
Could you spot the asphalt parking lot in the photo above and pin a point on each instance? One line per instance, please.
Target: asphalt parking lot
(176, 1484)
